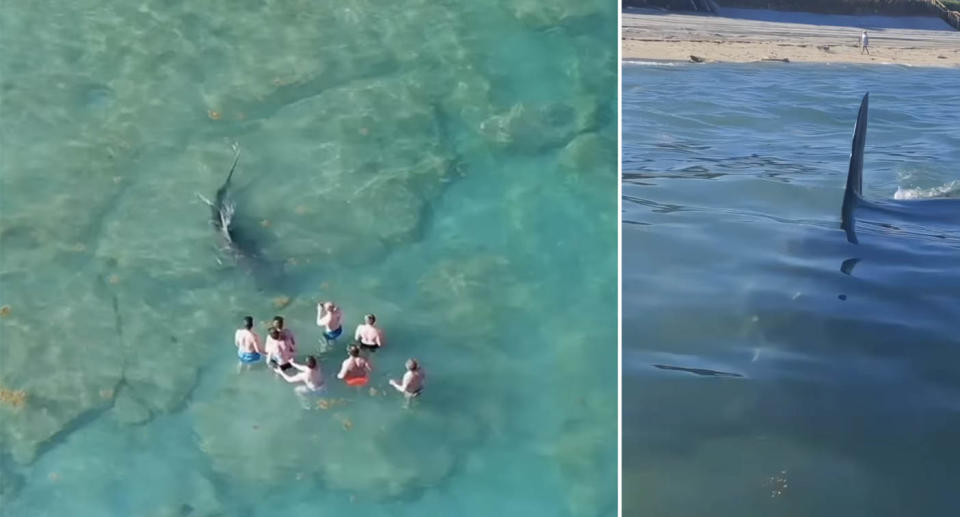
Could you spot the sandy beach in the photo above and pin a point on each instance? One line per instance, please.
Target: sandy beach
(659, 35)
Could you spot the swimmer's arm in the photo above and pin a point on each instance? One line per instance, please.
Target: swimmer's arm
(292, 378)
(356, 334)
(298, 366)
(323, 316)
(406, 382)
(343, 370)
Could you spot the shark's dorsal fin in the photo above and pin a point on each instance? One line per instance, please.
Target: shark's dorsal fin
(236, 158)
(855, 174)
(221, 198)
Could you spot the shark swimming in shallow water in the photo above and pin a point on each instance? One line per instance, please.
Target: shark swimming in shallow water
(943, 210)
(222, 209)
(237, 242)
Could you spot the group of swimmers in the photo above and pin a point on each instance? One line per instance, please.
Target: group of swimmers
(280, 351)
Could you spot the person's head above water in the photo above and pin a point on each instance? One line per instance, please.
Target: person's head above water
(354, 351)
(413, 365)
(370, 319)
(274, 333)
(278, 322)
(329, 306)
(248, 322)
(311, 362)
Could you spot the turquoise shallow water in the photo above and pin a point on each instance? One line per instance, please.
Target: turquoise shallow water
(449, 166)
(821, 376)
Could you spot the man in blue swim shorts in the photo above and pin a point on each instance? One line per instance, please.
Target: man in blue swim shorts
(328, 318)
(248, 344)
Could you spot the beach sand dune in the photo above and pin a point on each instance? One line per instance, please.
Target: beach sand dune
(744, 36)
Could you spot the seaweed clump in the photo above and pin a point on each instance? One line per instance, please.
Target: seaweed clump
(15, 399)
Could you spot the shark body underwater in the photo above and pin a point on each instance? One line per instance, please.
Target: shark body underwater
(935, 210)
(238, 242)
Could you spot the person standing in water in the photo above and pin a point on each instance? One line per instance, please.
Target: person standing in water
(328, 318)
(285, 333)
(279, 353)
(309, 374)
(368, 335)
(355, 370)
(864, 42)
(248, 343)
(412, 383)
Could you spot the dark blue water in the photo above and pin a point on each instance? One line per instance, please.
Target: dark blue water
(771, 367)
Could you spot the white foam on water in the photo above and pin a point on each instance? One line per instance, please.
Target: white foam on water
(947, 190)
(641, 62)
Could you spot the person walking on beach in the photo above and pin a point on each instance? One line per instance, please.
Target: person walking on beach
(355, 370)
(368, 335)
(279, 353)
(309, 374)
(248, 343)
(328, 318)
(412, 383)
(864, 42)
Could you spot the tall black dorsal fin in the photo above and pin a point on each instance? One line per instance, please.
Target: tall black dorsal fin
(855, 174)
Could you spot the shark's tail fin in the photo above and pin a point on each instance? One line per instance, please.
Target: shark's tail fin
(855, 174)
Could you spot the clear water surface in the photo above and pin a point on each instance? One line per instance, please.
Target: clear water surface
(447, 165)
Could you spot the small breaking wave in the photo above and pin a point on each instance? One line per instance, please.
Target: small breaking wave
(949, 190)
(641, 62)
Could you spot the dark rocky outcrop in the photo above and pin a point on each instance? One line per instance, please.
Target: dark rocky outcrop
(949, 11)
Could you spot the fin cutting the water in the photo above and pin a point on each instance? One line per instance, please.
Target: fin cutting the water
(855, 174)
(236, 158)
(226, 184)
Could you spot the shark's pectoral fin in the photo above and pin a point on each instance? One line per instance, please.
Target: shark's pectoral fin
(205, 200)
(852, 194)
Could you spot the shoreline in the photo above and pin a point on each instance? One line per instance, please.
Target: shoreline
(666, 36)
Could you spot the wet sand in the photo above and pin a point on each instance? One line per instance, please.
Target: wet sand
(656, 35)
